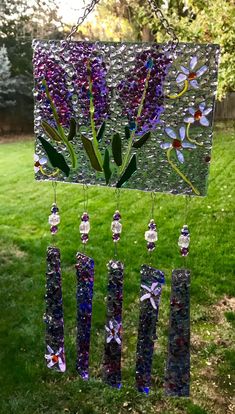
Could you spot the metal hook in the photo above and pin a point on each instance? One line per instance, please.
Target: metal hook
(54, 185)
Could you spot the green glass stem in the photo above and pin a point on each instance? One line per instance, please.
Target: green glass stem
(60, 128)
(140, 109)
(179, 172)
(92, 119)
(193, 141)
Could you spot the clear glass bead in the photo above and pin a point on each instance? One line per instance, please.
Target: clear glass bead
(116, 227)
(184, 241)
(54, 219)
(151, 236)
(84, 227)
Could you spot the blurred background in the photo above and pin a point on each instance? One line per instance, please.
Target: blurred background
(211, 21)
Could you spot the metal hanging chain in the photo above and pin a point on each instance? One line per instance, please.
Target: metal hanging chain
(153, 198)
(156, 10)
(82, 18)
(85, 197)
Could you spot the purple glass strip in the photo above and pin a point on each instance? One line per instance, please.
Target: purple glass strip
(150, 294)
(113, 328)
(54, 320)
(85, 283)
(177, 376)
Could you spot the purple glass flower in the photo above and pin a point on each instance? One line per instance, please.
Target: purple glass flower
(153, 293)
(46, 67)
(178, 142)
(199, 115)
(39, 162)
(113, 331)
(55, 359)
(90, 74)
(190, 74)
(141, 95)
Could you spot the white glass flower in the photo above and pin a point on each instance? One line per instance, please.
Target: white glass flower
(153, 293)
(55, 358)
(39, 162)
(190, 74)
(178, 142)
(113, 331)
(199, 115)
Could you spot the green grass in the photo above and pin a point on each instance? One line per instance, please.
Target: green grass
(26, 386)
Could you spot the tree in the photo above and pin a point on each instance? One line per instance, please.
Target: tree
(6, 82)
(200, 21)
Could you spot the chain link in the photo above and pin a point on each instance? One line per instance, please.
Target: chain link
(156, 10)
(82, 18)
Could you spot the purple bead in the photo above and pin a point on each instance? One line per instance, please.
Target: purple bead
(54, 229)
(152, 226)
(116, 238)
(117, 216)
(85, 217)
(54, 209)
(85, 238)
(151, 246)
(184, 251)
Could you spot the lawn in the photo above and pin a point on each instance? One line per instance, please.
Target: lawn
(26, 385)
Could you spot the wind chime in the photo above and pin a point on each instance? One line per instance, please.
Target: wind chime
(134, 116)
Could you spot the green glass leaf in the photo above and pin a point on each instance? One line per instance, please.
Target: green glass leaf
(101, 132)
(51, 132)
(72, 129)
(106, 166)
(130, 170)
(87, 143)
(142, 140)
(56, 159)
(127, 133)
(117, 149)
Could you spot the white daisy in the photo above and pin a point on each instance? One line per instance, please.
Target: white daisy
(39, 162)
(55, 358)
(199, 115)
(178, 142)
(153, 294)
(190, 74)
(113, 331)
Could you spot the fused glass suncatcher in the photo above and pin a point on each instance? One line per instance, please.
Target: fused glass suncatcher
(133, 115)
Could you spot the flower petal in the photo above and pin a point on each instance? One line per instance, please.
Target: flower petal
(191, 110)
(188, 145)
(146, 288)
(202, 70)
(107, 329)
(117, 339)
(189, 120)
(36, 169)
(50, 349)
(36, 157)
(153, 303)
(111, 324)
(204, 121)
(207, 111)
(185, 70)
(154, 285)
(144, 297)
(181, 78)
(43, 161)
(202, 106)
(194, 83)
(51, 364)
(171, 133)
(193, 62)
(182, 131)
(180, 156)
(165, 145)
(62, 365)
(109, 339)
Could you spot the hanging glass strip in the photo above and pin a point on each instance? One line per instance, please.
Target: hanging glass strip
(55, 355)
(85, 283)
(150, 294)
(177, 376)
(113, 327)
(125, 114)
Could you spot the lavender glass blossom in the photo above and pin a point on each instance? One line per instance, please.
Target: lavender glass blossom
(147, 78)
(47, 68)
